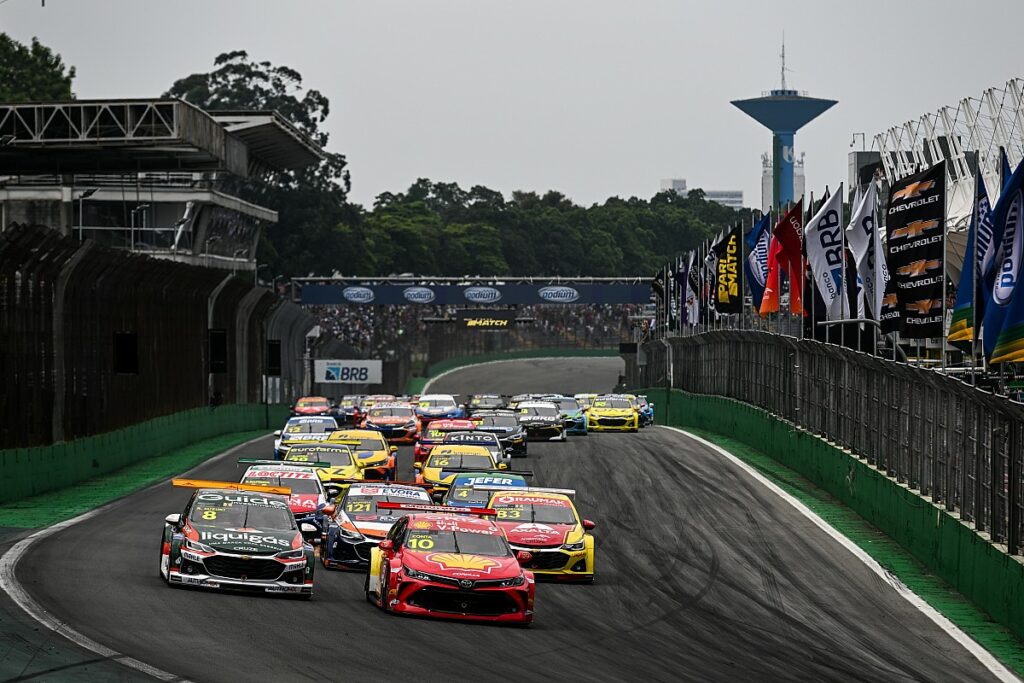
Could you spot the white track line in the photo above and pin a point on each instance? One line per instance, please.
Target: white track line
(430, 381)
(980, 653)
(9, 583)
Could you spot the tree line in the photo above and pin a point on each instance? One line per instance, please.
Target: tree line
(432, 228)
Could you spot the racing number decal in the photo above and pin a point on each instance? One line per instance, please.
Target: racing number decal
(294, 430)
(440, 462)
(356, 506)
(510, 514)
(464, 493)
(421, 543)
(298, 458)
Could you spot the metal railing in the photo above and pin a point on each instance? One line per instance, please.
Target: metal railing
(958, 445)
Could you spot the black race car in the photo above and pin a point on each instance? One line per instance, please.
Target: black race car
(478, 402)
(505, 425)
(542, 420)
(237, 537)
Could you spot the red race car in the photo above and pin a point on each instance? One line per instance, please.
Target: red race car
(434, 434)
(452, 563)
(311, 405)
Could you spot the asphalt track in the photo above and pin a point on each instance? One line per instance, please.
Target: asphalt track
(702, 574)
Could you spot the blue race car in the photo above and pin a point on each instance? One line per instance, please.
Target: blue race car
(431, 407)
(573, 415)
(299, 429)
(464, 491)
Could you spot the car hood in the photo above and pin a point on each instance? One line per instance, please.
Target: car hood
(333, 473)
(536, 534)
(260, 541)
(612, 412)
(462, 566)
(388, 420)
(376, 526)
(371, 456)
(540, 419)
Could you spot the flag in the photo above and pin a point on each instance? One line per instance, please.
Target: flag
(865, 243)
(823, 237)
(756, 263)
(658, 284)
(1003, 325)
(729, 272)
(969, 296)
(691, 289)
(785, 254)
(916, 234)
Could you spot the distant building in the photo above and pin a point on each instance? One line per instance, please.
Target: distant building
(768, 185)
(730, 198)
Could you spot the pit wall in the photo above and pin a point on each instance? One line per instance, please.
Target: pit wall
(977, 568)
(30, 471)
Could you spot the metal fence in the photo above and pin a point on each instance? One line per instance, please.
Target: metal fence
(956, 444)
(94, 339)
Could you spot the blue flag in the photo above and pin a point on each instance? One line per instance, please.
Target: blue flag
(970, 299)
(756, 265)
(1002, 271)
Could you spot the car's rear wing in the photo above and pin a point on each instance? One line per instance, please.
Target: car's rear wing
(285, 463)
(443, 509)
(525, 489)
(229, 486)
(477, 470)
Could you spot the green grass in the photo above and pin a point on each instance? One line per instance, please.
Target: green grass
(892, 556)
(56, 506)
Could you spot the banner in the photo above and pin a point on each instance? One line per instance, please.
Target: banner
(487, 320)
(347, 371)
(756, 264)
(970, 297)
(382, 294)
(785, 255)
(729, 273)
(916, 232)
(691, 293)
(1003, 326)
(824, 241)
(865, 243)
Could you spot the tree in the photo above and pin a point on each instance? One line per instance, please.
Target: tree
(312, 206)
(32, 73)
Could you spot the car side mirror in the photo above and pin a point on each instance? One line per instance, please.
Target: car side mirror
(173, 520)
(386, 546)
(502, 466)
(332, 491)
(588, 525)
(277, 432)
(523, 557)
(307, 528)
(417, 465)
(393, 449)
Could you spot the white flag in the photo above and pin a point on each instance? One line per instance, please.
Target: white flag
(824, 241)
(866, 243)
(692, 292)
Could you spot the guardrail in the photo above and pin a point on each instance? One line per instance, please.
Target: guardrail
(958, 445)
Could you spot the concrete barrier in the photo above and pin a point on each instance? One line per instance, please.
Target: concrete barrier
(31, 471)
(980, 570)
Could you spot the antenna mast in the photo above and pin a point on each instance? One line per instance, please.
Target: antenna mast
(783, 55)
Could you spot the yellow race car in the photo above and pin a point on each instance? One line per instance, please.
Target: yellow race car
(373, 453)
(445, 462)
(612, 414)
(545, 523)
(335, 463)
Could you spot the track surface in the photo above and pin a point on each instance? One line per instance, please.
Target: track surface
(702, 575)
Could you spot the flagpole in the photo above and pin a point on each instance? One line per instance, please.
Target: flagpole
(845, 303)
(803, 273)
(974, 278)
(942, 329)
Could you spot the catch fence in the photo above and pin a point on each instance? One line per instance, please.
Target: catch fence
(956, 444)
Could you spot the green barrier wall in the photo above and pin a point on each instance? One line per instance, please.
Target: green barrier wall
(989, 577)
(30, 471)
(415, 384)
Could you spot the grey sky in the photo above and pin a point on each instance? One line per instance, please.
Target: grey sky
(590, 97)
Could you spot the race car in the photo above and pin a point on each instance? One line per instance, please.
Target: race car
(544, 522)
(584, 399)
(574, 418)
(296, 427)
(346, 409)
(396, 421)
(505, 425)
(335, 463)
(375, 455)
(445, 462)
(432, 407)
(308, 496)
(236, 536)
(312, 405)
(485, 402)
(476, 438)
(357, 525)
(646, 411)
(542, 420)
(612, 414)
(463, 491)
(435, 433)
(453, 566)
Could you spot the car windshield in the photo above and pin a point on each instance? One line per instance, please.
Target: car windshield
(437, 403)
(313, 403)
(391, 412)
(543, 411)
(492, 545)
(348, 401)
(615, 403)
(337, 457)
(505, 421)
(558, 513)
(220, 511)
(568, 404)
(483, 462)
(368, 444)
(304, 485)
(367, 505)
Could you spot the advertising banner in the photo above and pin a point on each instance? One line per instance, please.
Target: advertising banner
(449, 295)
(347, 371)
(487, 320)
(729, 273)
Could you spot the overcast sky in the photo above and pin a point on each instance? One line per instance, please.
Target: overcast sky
(590, 97)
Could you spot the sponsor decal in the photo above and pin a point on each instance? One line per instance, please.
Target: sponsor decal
(481, 295)
(1009, 267)
(240, 498)
(358, 295)
(418, 295)
(913, 190)
(524, 499)
(258, 539)
(486, 322)
(915, 229)
(729, 274)
(558, 294)
(421, 525)
(450, 561)
(924, 306)
(920, 267)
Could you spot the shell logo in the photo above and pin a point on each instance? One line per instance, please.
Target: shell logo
(421, 525)
(458, 561)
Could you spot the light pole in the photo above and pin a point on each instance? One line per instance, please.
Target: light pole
(81, 213)
(137, 209)
(256, 273)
